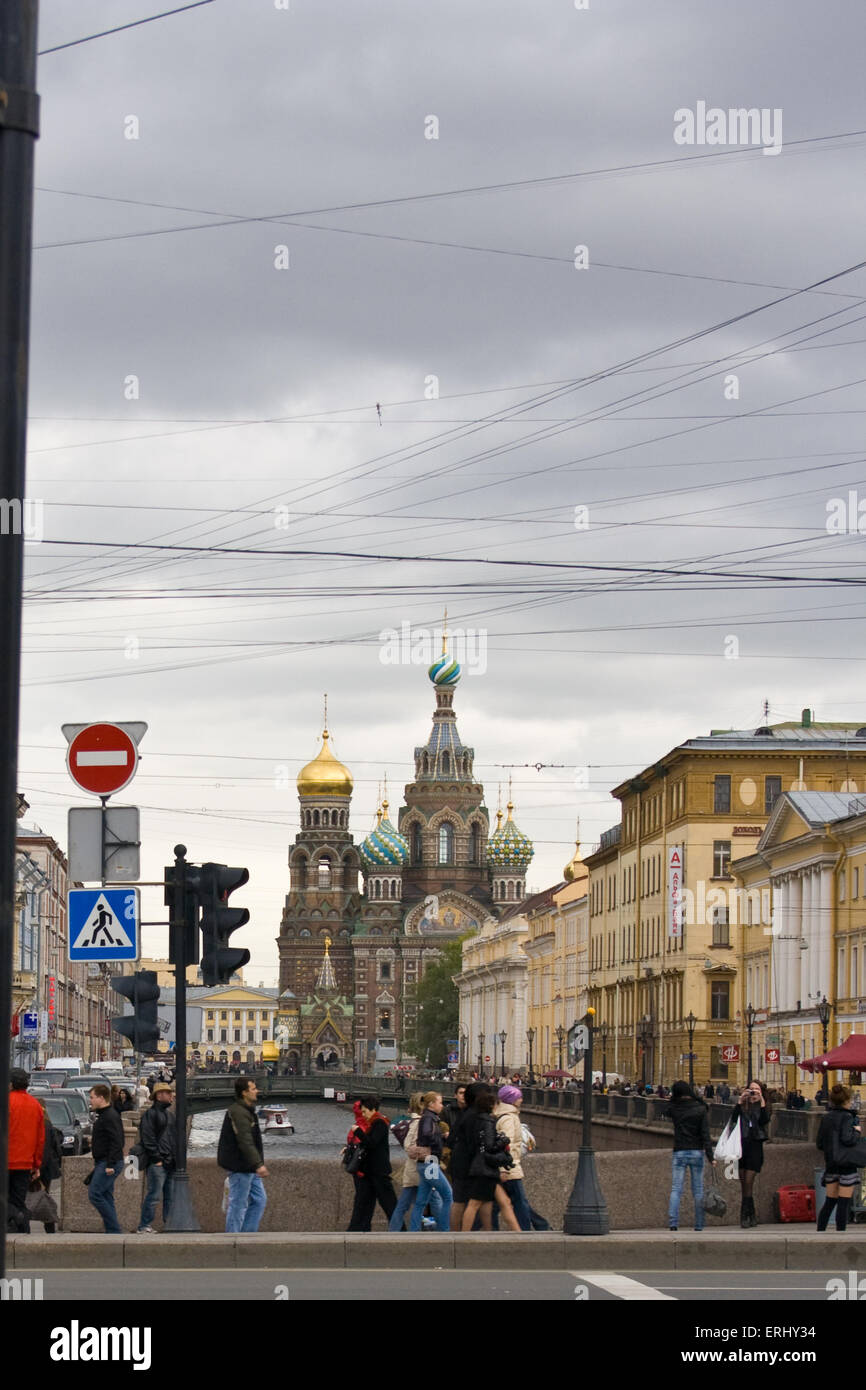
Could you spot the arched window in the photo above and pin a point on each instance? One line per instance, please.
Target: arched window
(315, 818)
(425, 763)
(475, 844)
(393, 887)
(446, 843)
(445, 763)
(417, 849)
(510, 891)
(325, 873)
(325, 819)
(304, 932)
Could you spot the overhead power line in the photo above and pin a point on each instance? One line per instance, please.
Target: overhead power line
(88, 38)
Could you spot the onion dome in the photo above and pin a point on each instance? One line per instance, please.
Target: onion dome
(384, 847)
(508, 847)
(445, 672)
(325, 776)
(575, 868)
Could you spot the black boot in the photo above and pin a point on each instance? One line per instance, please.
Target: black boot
(826, 1212)
(744, 1214)
(842, 1213)
(753, 1215)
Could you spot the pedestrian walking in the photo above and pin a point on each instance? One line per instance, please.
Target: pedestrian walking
(107, 1153)
(158, 1136)
(844, 1154)
(753, 1114)
(374, 1181)
(458, 1154)
(488, 1156)
(241, 1153)
(507, 1117)
(409, 1180)
(430, 1144)
(691, 1145)
(26, 1147)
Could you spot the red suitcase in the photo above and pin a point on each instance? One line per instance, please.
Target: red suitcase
(795, 1203)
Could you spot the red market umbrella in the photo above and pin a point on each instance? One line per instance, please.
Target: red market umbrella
(556, 1075)
(849, 1056)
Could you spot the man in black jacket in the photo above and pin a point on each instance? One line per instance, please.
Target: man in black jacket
(241, 1153)
(107, 1153)
(691, 1143)
(158, 1135)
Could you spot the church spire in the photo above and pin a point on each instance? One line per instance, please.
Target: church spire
(327, 980)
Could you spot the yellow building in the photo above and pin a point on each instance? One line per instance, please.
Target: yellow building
(557, 978)
(235, 1019)
(492, 990)
(803, 902)
(658, 967)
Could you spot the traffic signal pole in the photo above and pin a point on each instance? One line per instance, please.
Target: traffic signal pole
(181, 1214)
(19, 127)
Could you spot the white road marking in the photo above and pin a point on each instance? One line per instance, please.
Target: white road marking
(623, 1287)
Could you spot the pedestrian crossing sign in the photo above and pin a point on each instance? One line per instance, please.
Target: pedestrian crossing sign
(104, 923)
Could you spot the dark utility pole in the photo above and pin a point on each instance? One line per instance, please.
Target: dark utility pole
(183, 927)
(19, 127)
(587, 1213)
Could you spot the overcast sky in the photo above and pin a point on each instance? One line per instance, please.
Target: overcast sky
(186, 389)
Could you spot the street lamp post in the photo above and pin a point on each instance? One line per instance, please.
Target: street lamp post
(691, 1023)
(560, 1038)
(587, 1213)
(644, 1035)
(530, 1038)
(480, 1054)
(502, 1038)
(603, 1035)
(824, 1011)
(750, 1023)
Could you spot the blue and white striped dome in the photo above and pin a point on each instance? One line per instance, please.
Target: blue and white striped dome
(384, 847)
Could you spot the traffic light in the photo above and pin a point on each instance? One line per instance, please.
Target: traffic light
(214, 883)
(186, 879)
(142, 1025)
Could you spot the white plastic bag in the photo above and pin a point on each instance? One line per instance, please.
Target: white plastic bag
(225, 1202)
(730, 1144)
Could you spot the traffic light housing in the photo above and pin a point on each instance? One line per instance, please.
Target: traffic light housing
(212, 885)
(182, 883)
(141, 1027)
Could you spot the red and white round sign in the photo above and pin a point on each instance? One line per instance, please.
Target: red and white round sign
(102, 759)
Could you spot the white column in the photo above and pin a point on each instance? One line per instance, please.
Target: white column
(808, 956)
(795, 930)
(780, 944)
(825, 973)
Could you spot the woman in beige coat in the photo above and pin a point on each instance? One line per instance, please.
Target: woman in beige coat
(507, 1117)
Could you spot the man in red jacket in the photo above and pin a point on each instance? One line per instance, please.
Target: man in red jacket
(26, 1143)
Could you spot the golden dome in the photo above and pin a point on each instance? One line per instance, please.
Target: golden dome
(325, 776)
(575, 869)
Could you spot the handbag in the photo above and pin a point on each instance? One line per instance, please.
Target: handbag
(714, 1203)
(847, 1154)
(41, 1206)
(353, 1158)
(729, 1144)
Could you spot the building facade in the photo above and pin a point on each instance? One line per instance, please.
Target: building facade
(660, 975)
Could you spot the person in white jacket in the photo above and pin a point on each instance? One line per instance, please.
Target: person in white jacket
(507, 1117)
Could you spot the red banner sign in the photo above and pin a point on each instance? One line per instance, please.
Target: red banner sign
(771, 1054)
(731, 1053)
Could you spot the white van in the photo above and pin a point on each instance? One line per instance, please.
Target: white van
(75, 1066)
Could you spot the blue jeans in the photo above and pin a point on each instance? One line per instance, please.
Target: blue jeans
(693, 1160)
(406, 1200)
(158, 1182)
(431, 1179)
(101, 1194)
(247, 1201)
(520, 1202)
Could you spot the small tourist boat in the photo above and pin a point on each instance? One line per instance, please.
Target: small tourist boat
(276, 1118)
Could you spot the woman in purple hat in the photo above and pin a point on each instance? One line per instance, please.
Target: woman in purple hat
(507, 1117)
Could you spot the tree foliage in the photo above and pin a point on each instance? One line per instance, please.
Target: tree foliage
(439, 1005)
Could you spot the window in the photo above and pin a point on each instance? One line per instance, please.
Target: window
(324, 872)
(224, 1037)
(721, 929)
(237, 1015)
(718, 1068)
(210, 1035)
(721, 858)
(385, 1021)
(251, 1035)
(264, 1035)
(842, 886)
(475, 844)
(446, 843)
(416, 844)
(223, 1017)
(237, 1035)
(855, 883)
(445, 763)
(210, 1015)
(720, 1000)
(722, 796)
(772, 792)
(385, 970)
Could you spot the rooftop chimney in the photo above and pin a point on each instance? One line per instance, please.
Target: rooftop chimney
(806, 719)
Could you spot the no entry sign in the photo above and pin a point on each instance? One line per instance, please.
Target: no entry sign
(102, 758)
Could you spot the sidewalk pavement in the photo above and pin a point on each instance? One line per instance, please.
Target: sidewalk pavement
(763, 1248)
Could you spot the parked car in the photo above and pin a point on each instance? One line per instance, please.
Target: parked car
(60, 1113)
(78, 1104)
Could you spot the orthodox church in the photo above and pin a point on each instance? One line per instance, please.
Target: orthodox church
(360, 922)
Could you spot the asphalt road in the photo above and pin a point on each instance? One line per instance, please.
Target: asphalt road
(710, 1286)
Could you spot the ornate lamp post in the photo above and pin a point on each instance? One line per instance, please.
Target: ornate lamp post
(603, 1035)
(587, 1213)
(530, 1038)
(502, 1038)
(824, 1011)
(750, 1023)
(691, 1023)
(644, 1036)
(560, 1038)
(480, 1054)
(464, 1048)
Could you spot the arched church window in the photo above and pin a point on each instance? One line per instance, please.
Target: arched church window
(315, 818)
(446, 843)
(304, 932)
(445, 763)
(475, 844)
(416, 844)
(324, 872)
(510, 891)
(325, 818)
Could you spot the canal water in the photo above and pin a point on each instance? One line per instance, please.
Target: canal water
(320, 1132)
